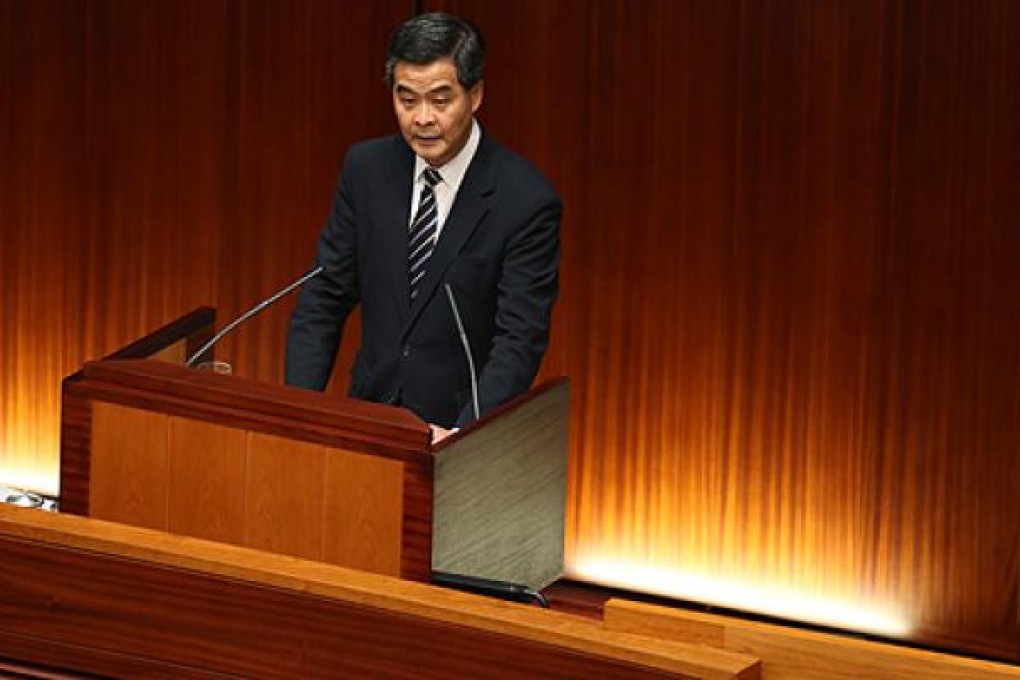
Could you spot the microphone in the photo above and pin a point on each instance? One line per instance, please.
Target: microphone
(467, 350)
(252, 312)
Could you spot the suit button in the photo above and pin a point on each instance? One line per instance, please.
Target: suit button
(406, 352)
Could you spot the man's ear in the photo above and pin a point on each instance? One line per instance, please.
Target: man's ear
(476, 94)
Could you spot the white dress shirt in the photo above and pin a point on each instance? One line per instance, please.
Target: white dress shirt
(452, 176)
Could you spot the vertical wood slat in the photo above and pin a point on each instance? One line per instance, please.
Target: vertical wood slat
(285, 495)
(159, 157)
(363, 511)
(130, 466)
(790, 307)
(208, 480)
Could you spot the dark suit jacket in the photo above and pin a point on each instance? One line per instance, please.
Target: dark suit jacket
(499, 251)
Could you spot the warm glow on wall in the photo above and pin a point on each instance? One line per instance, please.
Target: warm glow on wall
(788, 300)
(29, 425)
(742, 595)
(40, 481)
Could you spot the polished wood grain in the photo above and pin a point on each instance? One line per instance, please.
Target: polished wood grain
(158, 157)
(363, 510)
(160, 462)
(189, 331)
(791, 654)
(208, 480)
(75, 448)
(130, 466)
(38, 659)
(157, 600)
(198, 454)
(312, 416)
(790, 307)
(284, 496)
(175, 341)
(416, 521)
(790, 255)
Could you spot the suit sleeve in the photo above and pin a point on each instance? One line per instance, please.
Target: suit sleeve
(317, 324)
(527, 289)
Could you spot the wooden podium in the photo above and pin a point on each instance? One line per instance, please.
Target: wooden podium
(148, 442)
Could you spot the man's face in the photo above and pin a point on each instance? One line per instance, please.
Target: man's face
(433, 109)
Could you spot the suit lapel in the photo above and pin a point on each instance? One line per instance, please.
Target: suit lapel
(393, 222)
(469, 208)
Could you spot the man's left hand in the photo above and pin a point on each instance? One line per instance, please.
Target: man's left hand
(440, 433)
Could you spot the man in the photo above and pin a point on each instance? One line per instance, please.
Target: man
(440, 205)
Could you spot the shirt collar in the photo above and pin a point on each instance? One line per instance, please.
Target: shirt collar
(453, 172)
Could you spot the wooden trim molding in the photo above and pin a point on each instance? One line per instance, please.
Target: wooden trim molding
(117, 599)
(794, 654)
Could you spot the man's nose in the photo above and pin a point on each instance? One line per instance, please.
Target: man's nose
(424, 114)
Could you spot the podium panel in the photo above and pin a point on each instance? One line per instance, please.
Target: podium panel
(237, 486)
(158, 445)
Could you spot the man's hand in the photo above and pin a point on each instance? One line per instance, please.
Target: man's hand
(440, 433)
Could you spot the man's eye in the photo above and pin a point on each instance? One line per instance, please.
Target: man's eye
(407, 101)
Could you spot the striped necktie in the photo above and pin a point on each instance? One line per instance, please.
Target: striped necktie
(422, 240)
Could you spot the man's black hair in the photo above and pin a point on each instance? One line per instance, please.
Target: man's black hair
(429, 37)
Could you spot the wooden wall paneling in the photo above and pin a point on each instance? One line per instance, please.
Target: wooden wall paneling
(42, 139)
(792, 318)
(947, 464)
(159, 120)
(161, 156)
(208, 480)
(130, 466)
(311, 73)
(789, 268)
